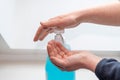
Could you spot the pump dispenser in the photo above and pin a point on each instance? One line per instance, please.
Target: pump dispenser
(58, 36)
(53, 72)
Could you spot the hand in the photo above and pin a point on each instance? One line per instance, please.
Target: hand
(71, 60)
(60, 22)
(105, 15)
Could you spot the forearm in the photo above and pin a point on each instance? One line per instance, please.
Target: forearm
(105, 15)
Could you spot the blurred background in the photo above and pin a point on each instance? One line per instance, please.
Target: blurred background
(23, 59)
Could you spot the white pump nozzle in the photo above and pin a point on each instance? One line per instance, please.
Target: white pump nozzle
(58, 37)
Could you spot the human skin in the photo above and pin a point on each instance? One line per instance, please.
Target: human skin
(71, 60)
(105, 15)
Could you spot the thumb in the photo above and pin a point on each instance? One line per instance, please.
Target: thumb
(58, 62)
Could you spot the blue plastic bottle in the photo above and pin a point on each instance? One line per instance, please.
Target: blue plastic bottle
(54, 73)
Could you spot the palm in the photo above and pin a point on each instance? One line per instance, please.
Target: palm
(62, 57)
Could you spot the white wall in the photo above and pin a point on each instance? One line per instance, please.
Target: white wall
(7, 19)
(22, 71)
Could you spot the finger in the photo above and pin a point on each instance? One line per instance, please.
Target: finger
(52, 44)
(51, 23)
(43, 34)
(49, 49)
(58, 62)
(60, 68)
(59, 52)
(53, 48)
(61, 64)
(73, 67)
(56, 50)
(62, 54)
(59, 56)
(39, 31)
(61, 47)
(51, 31)
(52, 52)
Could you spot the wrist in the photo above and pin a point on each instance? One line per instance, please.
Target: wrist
(85, 16)
(90, 61)
(81, 16)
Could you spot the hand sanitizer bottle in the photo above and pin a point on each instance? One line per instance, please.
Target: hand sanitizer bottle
(53, 72)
